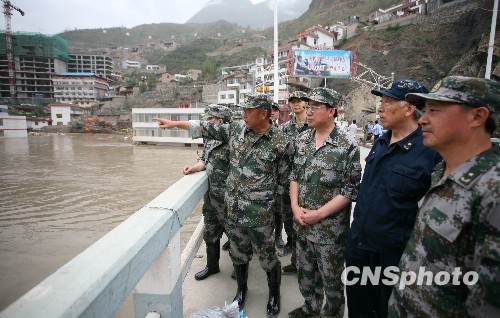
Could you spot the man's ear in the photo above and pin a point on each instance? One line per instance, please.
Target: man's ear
(479, 116)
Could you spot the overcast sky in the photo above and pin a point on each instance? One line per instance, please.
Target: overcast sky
(55, 16)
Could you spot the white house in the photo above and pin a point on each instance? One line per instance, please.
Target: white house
(146, 129)
(65, 114)
(227, 97)
(36, 123)
(12, 126)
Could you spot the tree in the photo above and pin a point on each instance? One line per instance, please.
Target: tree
(208, 70)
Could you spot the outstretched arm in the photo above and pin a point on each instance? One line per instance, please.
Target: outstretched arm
(167, 123)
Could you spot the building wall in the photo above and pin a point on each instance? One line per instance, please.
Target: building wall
(146, 130)
(13, 126)
(227, 97)
(65, 115)
(36, 124)
(210, 92)
(69, 89)
(87, 63)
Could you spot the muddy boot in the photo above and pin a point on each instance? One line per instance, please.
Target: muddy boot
(213, 255)
(274, 283)
(241, 279)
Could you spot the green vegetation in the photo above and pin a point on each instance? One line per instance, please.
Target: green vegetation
(77, 125)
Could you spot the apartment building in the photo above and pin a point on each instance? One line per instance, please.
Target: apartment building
(37, 58)
(146, 129)
(79, 87)
(102, 65)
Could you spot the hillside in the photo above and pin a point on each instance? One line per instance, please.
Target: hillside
(445, 42)
(146, 33)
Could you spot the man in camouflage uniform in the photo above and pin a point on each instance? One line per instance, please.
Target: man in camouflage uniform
(458, 224)
(292, 128)
(257, 171)
(324, 182)
(215, 160)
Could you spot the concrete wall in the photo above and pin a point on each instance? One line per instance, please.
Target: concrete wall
(12, 126)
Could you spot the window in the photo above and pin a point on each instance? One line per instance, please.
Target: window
(58, 115)
(1, 122)
(1, 133)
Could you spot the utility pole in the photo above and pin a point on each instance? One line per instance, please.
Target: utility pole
(276, 76)
(491, 43)
(7, 12)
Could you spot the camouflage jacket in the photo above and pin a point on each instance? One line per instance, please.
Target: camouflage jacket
(458, 226)
(257, 169)
(216, 159)
(334, 168)
(292, 131)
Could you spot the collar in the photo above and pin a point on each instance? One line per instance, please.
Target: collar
(268, 133)
(332, 139)
(466, 175)
(407, 142)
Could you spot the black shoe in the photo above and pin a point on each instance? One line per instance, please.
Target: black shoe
(226, 246)
(287, 249)
(279, 242)
(289, 270)
(205, 273)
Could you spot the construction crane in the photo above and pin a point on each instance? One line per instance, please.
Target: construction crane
(7, 12)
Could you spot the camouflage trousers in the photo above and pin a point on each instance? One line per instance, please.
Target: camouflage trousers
(319, 270)
(215, 214)
(245, 240)
(287, 214)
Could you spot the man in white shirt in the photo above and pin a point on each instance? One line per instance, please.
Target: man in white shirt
(377, 131)
(353, 128)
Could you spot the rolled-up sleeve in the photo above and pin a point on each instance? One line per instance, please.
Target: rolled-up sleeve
(207, 130)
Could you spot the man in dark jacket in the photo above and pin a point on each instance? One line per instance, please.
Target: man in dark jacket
(397, 175)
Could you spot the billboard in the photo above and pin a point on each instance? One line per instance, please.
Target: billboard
(322, 63)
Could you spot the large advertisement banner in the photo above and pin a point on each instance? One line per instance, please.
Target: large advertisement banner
(322, 63)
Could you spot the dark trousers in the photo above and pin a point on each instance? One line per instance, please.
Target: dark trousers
(367, 300)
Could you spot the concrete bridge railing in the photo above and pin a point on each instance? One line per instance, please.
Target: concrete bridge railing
(141, 255)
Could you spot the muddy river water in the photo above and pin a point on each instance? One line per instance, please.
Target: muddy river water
(60, 193)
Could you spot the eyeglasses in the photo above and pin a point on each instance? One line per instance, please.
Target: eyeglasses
(313, 108)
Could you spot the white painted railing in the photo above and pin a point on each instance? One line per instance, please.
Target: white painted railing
(141, 255)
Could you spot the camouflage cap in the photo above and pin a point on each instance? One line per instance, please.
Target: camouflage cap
(218, 111)
(297, 94)
(470, 91)
(324, 95)
(275, 105)
(257, 101)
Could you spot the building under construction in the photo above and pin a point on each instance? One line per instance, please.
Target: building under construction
(37, 58)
